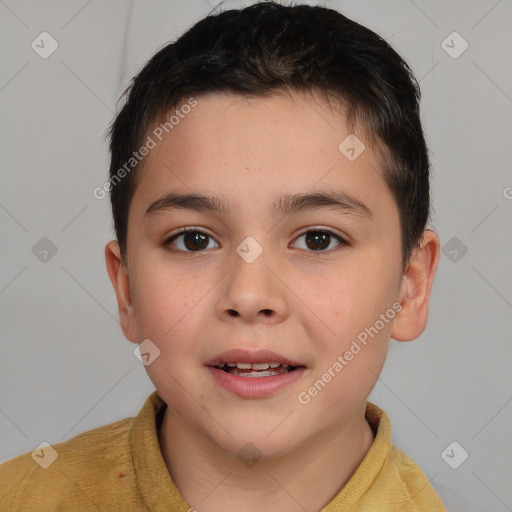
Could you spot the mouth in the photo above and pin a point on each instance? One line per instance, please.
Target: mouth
(256, 370)
(254, 375)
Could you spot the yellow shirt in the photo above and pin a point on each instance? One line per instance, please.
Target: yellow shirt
(119, 467)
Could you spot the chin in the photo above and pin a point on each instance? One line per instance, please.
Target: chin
(253, 440)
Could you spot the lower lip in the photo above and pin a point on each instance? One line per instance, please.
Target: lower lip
(255, 387)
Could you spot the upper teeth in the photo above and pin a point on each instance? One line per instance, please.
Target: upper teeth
(256, 366)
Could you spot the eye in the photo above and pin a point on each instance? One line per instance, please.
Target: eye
(194, 240)
(190, 240)
(319, 240)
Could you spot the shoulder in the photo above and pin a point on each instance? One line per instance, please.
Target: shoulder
(87, 464)
(416, 489)
(396, 478)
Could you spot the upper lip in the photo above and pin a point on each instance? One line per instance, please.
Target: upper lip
(245, 356)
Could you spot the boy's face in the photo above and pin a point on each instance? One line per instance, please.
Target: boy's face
(305, 297)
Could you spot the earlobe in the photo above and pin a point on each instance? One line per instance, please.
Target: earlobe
(417, 281)
(119, 276)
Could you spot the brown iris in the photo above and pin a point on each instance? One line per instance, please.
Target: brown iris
(195, 240)
(318, 238)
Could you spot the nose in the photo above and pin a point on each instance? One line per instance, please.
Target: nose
(253, 293)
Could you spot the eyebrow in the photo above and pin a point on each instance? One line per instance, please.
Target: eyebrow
(284, 205)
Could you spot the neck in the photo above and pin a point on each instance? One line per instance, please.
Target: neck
(211, 480)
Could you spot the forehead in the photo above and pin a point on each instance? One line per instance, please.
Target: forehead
(279, 120)
(250, 146)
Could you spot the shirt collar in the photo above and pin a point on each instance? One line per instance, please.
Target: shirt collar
(151, 474)
(160, 493)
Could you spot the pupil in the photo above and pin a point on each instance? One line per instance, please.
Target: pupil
(195, 240)
(198, 241)
(317, 237)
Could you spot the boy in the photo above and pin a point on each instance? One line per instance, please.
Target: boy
(270, 191)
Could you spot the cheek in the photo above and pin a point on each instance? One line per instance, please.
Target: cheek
(351, 352)
(167, 311)
(352, 305)
(164, 303)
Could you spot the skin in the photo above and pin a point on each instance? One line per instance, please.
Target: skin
(300, 302)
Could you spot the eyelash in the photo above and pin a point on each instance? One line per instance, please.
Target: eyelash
(342, 242)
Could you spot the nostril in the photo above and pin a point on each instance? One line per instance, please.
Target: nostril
(266, 312)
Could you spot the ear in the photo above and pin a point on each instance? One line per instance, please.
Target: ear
(417, 281)
(118, 273)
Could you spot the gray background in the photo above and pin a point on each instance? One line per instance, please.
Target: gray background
(65, 365)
